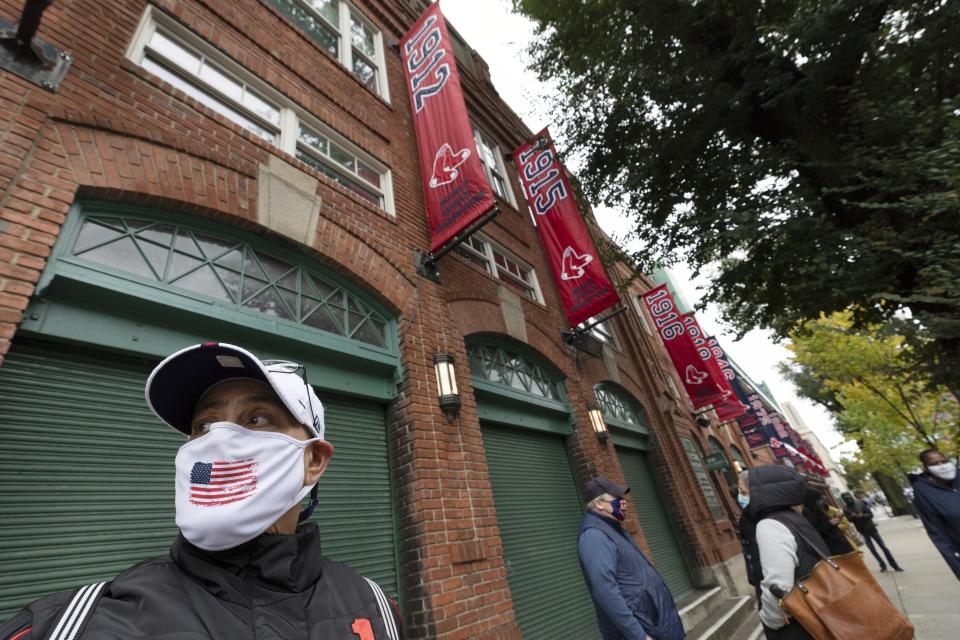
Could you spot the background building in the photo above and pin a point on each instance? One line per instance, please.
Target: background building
(837, 481)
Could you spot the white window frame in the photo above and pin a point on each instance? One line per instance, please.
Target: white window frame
(487, 255)
(603, 332)
(642, 315)
(481, 138)
(291, 116)
(344, 35)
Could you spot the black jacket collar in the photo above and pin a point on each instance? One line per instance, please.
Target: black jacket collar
(268, 568)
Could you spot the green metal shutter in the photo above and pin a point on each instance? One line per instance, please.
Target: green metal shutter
(86, 475)
(539, 512)
(667, 555)
(355, 514)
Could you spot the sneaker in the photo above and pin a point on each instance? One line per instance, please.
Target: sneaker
(883, 569)
(898, 569)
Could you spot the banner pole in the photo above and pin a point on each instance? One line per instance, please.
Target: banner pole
(426, 261)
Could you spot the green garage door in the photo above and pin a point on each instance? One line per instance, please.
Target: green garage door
(539, 512)
(667, 556)
(86, 475)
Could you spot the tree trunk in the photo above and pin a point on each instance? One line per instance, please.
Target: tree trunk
(894, 493)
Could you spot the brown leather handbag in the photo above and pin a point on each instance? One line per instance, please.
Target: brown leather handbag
(841, 600)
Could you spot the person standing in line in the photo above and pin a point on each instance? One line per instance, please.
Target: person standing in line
(773, 495)
(814, 510)
(936, 498)
(861, 516)
(631, 599)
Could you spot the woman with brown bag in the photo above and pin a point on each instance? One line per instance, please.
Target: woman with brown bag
(805, 593)
(770, 493)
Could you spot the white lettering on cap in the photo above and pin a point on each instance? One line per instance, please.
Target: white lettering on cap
(231, 362)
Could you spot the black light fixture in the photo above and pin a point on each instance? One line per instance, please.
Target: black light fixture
(596, 421)
(447, 385)
(702, 421)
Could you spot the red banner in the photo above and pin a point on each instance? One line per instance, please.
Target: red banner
(728, 408)
(584, 287)
(698, 382)
(455, 189)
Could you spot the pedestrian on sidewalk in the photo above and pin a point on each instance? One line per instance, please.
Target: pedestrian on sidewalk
(936, 498)
(631, 599)
(773, 495)
(861, 516)
(815, 511)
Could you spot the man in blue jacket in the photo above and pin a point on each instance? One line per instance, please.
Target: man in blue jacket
(936, 497)
(631, 599)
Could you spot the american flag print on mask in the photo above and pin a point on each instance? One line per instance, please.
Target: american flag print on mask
(222, 482)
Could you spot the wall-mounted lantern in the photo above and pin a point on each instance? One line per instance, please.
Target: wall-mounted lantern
(596, 421)
(447, 385)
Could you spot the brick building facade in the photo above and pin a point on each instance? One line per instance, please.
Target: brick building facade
(257, 129)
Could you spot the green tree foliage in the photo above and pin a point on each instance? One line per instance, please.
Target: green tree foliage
(810, 149)
(865, 378)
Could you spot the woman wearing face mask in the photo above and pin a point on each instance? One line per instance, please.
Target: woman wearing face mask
(775, 557)
(936, 497)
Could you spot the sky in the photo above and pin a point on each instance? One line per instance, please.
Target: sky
(501, 38)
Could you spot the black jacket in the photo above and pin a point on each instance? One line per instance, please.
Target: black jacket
(863, 523)
(271, 588)
(813, 511)
(939, 508)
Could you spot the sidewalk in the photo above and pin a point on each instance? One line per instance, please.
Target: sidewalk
(927, 591)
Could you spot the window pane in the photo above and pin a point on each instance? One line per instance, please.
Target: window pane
(499, 186)
(362, 37)
(313, 139)
(342, 157)
(328, 171)
(318, 30)
(329, 9)
(368, 173)
(365, 72)
(464, 251)
(173, 52)
(220, 82)
(207, 99)
(261, 107)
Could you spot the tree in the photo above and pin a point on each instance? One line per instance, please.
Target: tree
(808, 149)
(865, 378)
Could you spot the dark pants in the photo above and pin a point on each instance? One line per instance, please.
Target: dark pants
(792, 631)
(872, 536)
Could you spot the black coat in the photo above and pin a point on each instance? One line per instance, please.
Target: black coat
(271, 588)
(813, 511)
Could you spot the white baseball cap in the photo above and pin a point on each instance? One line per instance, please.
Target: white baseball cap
(176, 385)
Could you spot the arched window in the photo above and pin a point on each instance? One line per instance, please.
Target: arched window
(506, 366)
(619, 408)
(738, 456)
(194, 259)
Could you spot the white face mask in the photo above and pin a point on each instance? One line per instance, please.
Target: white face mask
(233, 483)
(945, 471)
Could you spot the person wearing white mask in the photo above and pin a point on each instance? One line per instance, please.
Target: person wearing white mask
(246, 564)
(936, 497)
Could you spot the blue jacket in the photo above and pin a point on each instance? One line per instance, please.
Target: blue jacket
(631, 599)
(939, 508)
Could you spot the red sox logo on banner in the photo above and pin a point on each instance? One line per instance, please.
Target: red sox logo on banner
(456, 191)
(573, 264)
(581, 281)
(445, 165)
(695, 376)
